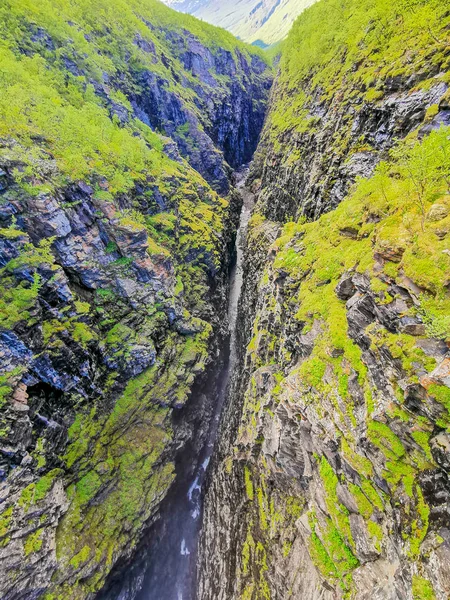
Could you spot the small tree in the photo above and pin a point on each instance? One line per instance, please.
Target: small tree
(425, 167)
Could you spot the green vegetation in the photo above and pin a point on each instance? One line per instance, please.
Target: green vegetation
(48, 86)
(338, 512)
(35, 492)
(33, 542)
(81, 557)
(330, 553)
(248, 483)
(382, 38)
(382, 436)
(422, 589)
(5, 520)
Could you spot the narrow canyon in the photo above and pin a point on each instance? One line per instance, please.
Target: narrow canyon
(224, 304)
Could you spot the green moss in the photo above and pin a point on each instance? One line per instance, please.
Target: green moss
(338, 512)
(364, 505)
(321, 558)
(360, 463)
(5, 521)
(247, 549)
(385, 439)
(422, 589)
(82, 333)
(420, 523)
(372, 494)
(17, 299)
(35, 492)
(111, 247)
(83, 429)
(60, 132)
(376, 531)
(105, 294)
(11, 233)
(87, 487)
(422, 438)
(7, 382)
(331, 555)
(442, 394)
(312, 371)
(33, 542)
(81, 557)
(45, 483)
(287, 545)
(248, 483)
(263, 520)
(294, 506)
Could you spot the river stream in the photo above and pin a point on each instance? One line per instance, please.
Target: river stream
(172, 574)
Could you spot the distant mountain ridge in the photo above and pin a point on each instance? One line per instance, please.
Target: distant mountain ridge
(266, 21)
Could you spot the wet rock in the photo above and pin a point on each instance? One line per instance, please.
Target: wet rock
(13, 351)
(378, 577)
(3, 181)
(389, 251)
(145, 45)
(40, 36)
(435, 348)
(350, 232)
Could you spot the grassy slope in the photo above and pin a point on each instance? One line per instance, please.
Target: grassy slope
(380, 38)
(279, 23)
(251, 20)
(42, 97)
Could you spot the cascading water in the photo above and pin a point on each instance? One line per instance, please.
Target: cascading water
(171, 575)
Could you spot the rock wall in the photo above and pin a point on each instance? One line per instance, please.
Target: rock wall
(114, 256)
(331, 479)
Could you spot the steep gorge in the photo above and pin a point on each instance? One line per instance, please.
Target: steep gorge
(121, 123)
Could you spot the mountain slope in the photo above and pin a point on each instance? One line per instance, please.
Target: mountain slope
(114, 253)
(335, 447)
(267, 21)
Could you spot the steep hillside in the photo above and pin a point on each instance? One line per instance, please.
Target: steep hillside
(266, 21)
(333, 468)
(119, 123)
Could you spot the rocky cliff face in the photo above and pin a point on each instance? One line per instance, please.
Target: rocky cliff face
(114, 249)
(331, 480)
